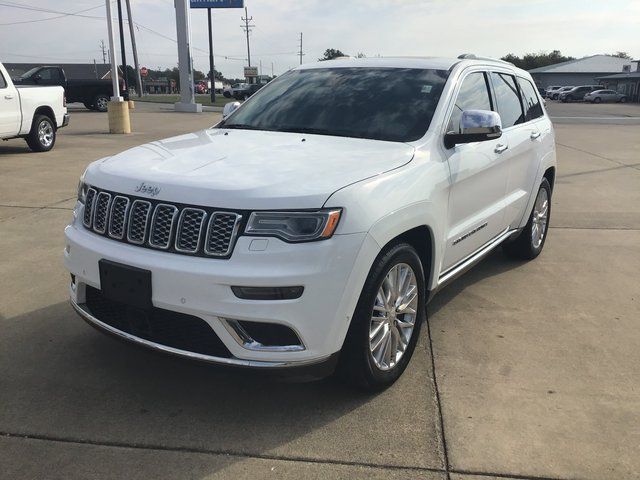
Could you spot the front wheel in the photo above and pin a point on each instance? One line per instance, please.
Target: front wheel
(531, 240)
(42, 136)
(597, 100)
(623, 100)
(386, 323)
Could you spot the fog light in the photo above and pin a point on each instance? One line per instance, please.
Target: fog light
(267, 293)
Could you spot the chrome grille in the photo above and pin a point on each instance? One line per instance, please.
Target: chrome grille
(184, 229)
(223, 227)
(190, 229)
(138, 220)
(88, 207)
(101, 212)
(117, 220)
(162, 225)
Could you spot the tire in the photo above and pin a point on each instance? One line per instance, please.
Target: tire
(42, 136)
(358, 364)
(89, 106)
(623, 100)
(529, 243)
(597, 100)
(100, 102)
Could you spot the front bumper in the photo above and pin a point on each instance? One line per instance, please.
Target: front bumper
(331, 271)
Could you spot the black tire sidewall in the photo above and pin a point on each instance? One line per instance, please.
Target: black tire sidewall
(33, 139)
(355, 355)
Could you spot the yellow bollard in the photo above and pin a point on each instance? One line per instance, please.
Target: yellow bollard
(132, 105)
(119, 120)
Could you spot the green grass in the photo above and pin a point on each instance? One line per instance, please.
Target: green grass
(203, 99)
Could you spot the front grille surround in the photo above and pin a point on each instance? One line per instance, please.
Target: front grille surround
(173, 227)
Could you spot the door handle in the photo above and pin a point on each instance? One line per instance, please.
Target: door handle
(8, 97)
(501, 148)
(535, 135)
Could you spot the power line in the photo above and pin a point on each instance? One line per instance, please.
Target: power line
(62, 14)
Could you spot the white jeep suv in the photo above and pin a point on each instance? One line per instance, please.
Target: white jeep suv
(310, 227)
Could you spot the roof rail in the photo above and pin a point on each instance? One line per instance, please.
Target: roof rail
(471, 56)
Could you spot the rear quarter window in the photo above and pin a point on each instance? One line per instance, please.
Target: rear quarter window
(3, 82)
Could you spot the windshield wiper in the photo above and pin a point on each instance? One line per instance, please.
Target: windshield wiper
(321, 131)
(240, 126)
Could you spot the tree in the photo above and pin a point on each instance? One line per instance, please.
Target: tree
(330, 54)
(534, 60)
(621, 55)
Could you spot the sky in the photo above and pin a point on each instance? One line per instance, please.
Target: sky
(372, 27)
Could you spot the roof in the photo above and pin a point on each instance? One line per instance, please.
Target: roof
(592, 64)
(436, 63)
(71, 70)
(621, 76)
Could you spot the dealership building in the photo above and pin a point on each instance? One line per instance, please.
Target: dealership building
(582, 71)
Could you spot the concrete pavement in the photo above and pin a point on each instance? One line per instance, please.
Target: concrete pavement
(535, 363)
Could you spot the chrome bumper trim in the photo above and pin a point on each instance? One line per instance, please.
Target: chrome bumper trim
(237, 362)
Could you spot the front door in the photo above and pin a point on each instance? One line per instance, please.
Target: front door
(478, 179)
(9, 109)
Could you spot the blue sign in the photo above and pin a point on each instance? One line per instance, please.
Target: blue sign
(217, 3)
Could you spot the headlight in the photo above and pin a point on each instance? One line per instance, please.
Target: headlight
(294, 226)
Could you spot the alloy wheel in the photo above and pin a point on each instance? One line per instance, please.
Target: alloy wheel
(540, 218)
(45, 133)
(393, 316)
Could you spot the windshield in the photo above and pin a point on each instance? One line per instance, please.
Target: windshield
(28, 73)
(394, 104)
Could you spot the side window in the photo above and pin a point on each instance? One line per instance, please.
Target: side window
(508, 99)
(473, 95)
(530, 100)
(45, 73)
(3, 82)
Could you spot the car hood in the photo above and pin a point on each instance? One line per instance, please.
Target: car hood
(245, 169)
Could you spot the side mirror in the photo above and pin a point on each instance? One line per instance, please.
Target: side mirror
(229, 108)
(475, 126)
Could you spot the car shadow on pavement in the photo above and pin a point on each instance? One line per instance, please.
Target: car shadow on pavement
(62, 380)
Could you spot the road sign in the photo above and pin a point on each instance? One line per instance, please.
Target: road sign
(144, 71)
(217, 3)
(250, 72)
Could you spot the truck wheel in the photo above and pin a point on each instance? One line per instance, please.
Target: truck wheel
(101, 102)
(530, 242)
(623, 100)
(386, 323)
(42, 136)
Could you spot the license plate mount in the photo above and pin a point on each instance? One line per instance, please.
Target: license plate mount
(125, 284)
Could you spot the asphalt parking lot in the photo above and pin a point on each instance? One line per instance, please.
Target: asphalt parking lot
(527, 370)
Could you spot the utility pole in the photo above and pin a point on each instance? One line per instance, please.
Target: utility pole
(247, 29)
(272, 71)
(132, 34)
(300, 52)
(103, 47)
(122, 50)
(187, 101)
(212, 70)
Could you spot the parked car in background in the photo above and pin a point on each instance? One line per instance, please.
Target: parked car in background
(300, 233)
(549, 90)
(555, 94)
(94, 94)
(246, 90)
(32, 113)
(576, 94)
(598, 96)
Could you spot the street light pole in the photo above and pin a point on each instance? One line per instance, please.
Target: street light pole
(212, 71)
(113, 56)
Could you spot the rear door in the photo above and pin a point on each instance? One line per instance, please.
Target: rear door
(10, 115)
(521, 133)
(478, 177)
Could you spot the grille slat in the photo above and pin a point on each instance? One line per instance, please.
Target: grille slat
(118, 217)
(162, 225)
(183, 229)
(138, 220)
(101, 212)
(223, 228)
(88, 207)
(190, 230)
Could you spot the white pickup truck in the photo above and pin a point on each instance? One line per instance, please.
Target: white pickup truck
(32, 113)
